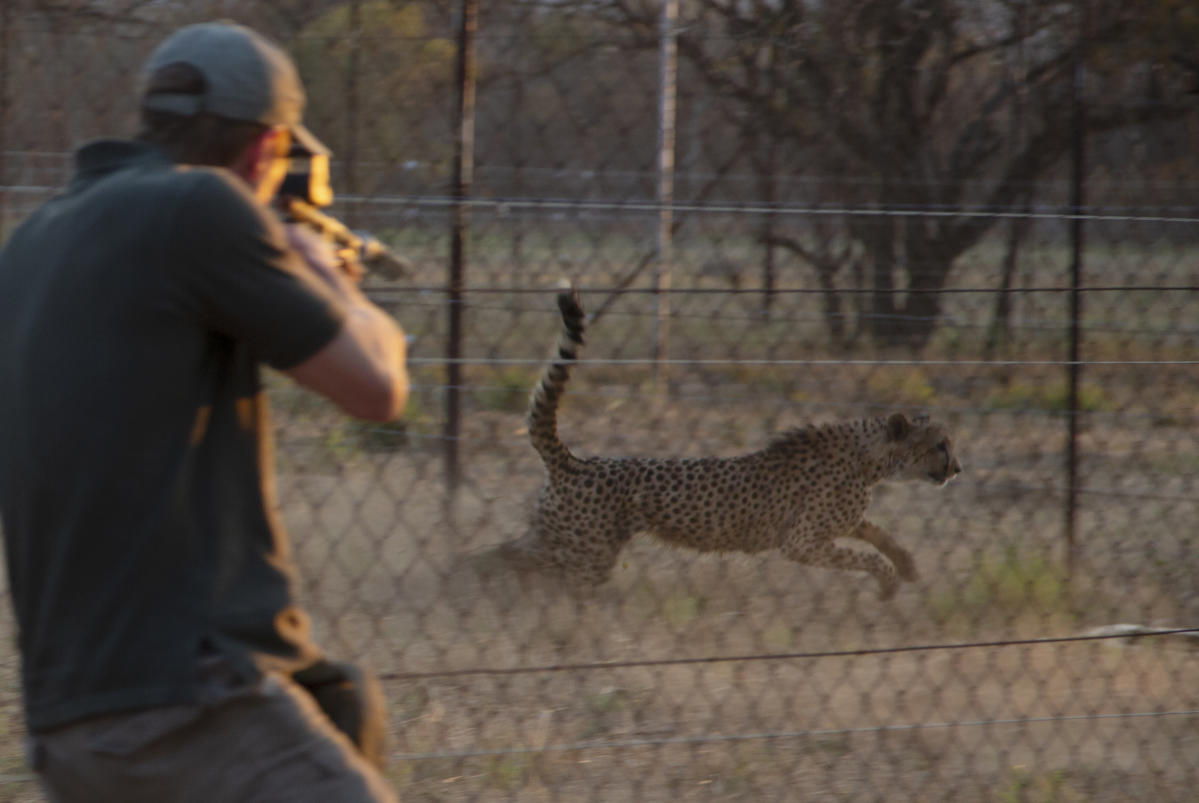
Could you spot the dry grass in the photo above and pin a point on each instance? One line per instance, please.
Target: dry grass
(394, 575)
(403, 584)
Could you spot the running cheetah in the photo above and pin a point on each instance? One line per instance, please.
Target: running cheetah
(808, 487)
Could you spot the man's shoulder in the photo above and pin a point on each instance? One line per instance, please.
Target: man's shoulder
(214, 204)
(168, 194)
(115, 165)
(216, 184)
(221, 192)
(202, 190)
(191, 208)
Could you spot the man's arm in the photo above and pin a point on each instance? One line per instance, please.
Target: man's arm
(362, 370)
(295, 307)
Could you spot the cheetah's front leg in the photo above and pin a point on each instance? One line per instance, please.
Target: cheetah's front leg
(881, 540)
(825, 553)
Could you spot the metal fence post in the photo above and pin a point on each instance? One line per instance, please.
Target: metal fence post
(1077, 234)
(667, 91)
(351, 122)
(4, 48)
(464, 139)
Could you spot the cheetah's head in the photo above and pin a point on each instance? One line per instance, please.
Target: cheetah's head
(923, 449)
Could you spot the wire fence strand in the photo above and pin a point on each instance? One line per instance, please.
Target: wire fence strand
(931, 257)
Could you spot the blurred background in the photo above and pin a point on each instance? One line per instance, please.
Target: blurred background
(777, 212)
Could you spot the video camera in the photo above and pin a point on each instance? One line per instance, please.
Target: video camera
(306, 190)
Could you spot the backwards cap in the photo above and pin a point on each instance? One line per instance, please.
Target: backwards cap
(247, 77)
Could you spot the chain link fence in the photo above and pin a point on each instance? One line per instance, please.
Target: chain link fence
(776, 213)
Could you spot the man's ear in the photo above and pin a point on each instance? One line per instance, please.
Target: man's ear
(246, 165)
(898, 427)
(260, 159)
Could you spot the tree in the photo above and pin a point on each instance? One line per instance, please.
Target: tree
(379, 85)
(913, 100)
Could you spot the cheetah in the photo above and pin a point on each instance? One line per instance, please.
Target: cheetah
(806, 488)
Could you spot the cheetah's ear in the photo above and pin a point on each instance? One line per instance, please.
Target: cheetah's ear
(898, 427)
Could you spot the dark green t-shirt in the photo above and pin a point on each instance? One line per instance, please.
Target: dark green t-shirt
(136, 479)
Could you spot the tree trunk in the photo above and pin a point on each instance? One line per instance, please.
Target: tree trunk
(903, 319)
(998, 330)
(834, 318)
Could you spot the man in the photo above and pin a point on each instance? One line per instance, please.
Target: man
(150, 573)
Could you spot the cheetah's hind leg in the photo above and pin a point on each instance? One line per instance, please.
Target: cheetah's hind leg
(514, 570)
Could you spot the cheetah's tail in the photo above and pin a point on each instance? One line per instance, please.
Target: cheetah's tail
(543, 403)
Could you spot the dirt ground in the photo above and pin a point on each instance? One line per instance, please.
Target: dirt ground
(521, 693)
(694, 677)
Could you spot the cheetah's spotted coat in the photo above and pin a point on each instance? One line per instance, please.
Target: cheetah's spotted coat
(808, 487)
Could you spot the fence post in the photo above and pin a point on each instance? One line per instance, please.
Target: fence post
(464, 146)
(667, 91)
(4, 49)
(351, 89)
(1077, 234)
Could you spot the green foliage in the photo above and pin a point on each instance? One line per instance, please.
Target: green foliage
(507, 772)
(908, 385)
(1022, 786)
(390, 436)
(385, 65)
(1009, 584)
(681, 609)
(778, 636)
(1164, 33)
(339, 443)
(609, 701)
(345, 438)
(834, 745)
(1054, 397)
(508, 391)
(511, 773)
(555, 37)
(378, 436)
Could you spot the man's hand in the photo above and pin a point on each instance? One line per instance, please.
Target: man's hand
(341, 270)
(363, 370)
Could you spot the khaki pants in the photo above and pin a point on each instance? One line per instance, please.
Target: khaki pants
(265, 743)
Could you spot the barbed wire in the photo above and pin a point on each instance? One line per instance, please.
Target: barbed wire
(633, 361)
(1022, 324)
(642, 206)
(799, 734)
(812, 180)
(633, 393)
(35, 21)
(384, 292)
(795, 734)
(1059, 213)
(364, 498)
(791, 656)
(815, 178)
(785, 656)
(664, 741)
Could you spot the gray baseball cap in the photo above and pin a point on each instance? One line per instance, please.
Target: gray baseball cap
(247, 77)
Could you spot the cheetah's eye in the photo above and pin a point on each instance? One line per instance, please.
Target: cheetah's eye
(943, 447)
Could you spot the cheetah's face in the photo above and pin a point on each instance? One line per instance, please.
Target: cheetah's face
(926, 450)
